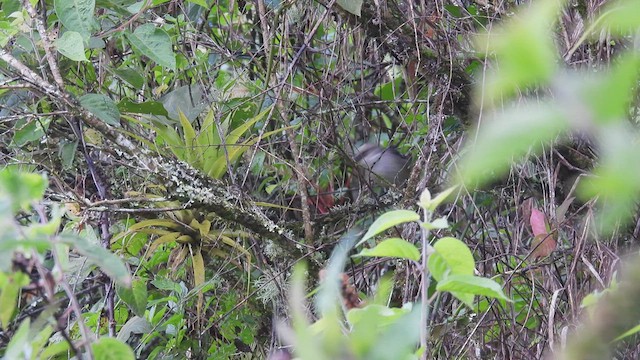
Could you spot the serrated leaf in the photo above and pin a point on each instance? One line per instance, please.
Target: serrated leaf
(352, 6)
(70, 44)
(472, 285)
(394, 247)
(154, 43)
(77, 15)
(107, 348)
(389, 220)
(102, 107)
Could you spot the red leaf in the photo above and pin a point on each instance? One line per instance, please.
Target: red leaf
(538, 222)
(543, 243)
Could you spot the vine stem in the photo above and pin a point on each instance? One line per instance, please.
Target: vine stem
(426, 281)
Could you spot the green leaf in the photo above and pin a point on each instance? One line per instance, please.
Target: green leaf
(102, 107)
(608, 95)
(135, 325)
(389, 220)
(67, 153)
(77, 15)
(619, 18)
(436, 201)
(525, 51)
(191, 150)
(19, 342)
(135, 297)
(111, 349)
(616, 182)
(146, 107)
(472, 285)
(28, 132)
(628, 333)
(453, 255)
(439, 223)
(154, 43)
(104, 259)
(394, 247)
(70, 44)
(508, 136)
(352, 6)
(219, 166)
(133, 77)
(10, 285)
(55, 350)
(22, 188)
(202, 3)
(197, 264)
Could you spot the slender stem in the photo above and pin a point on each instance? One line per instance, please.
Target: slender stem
(426, 280)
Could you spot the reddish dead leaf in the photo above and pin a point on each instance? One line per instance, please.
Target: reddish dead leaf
(543, 243)
(538, 222)
(323, 201)
(350, 296)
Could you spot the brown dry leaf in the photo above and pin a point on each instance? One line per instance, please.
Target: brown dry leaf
(542, 246)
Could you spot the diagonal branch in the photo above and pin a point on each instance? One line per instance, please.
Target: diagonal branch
(183, 182)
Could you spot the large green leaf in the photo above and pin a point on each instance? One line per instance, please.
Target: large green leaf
(352, 6)
(10, 285)
(394, 247)
(106, 260)
(154, 43)
(389, 220)
(451, 256)
(70, 44)
(135, 297)
(472, 285)
(508, 136)
(524, 49)
(107, 348)
(618, 17)
(22, 188)
(77, 15)
(102, 107)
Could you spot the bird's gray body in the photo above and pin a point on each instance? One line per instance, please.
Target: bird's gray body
(382, 167)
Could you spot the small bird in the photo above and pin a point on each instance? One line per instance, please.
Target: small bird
(382, 166)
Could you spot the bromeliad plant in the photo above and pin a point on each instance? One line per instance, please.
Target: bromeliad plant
(215, 146)
(193, 237)
(377, 331)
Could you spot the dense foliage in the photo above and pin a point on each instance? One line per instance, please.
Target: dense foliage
(166, 164)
